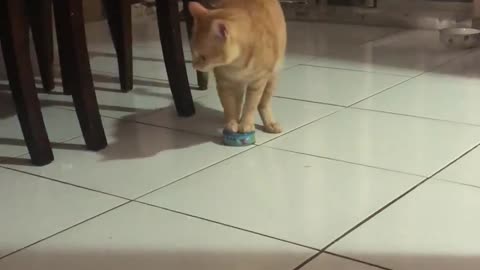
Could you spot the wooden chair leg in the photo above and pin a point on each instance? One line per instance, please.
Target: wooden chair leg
(40, 15)
(16, 53)
(169, 27)
(120, 22)
(76, 72)
(202, 77)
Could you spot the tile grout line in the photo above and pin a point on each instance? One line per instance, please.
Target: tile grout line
(355, 260)
(123, 204)
(134, 200)
(382, 209)
(310, 101)
(26, 152)
(111, 194)
(198, 171)
(389, 34)
(302, 126)
(414, 77)
(64, 183)
(361, 44)
(346, 161)
(384, 90)
(353, 104)
(66, 229)
(416, 116)
(456, 183)
(228, 225)
(310, 64)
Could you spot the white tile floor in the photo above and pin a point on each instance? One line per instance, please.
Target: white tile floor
(376, 169)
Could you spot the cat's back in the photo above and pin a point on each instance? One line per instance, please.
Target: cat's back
(263, 13)
(266, 28)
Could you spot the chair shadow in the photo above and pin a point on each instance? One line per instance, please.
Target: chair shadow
(138, 58)
(145, 140)
(129, 139)
(124, 143)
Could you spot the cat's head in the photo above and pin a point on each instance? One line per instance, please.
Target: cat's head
(213, 43)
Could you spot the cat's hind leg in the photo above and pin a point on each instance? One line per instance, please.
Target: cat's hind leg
(265, 108)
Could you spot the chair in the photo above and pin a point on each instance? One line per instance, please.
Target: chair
(119, 18)
(15, 45)
(202, 77)
(120, 23)
(75, 69)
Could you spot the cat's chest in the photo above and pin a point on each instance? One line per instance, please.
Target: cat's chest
(240, 74)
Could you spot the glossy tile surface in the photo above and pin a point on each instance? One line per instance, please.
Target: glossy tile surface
(313, 39)
(33, 208)
(285, 195)
(61, 125)
(400, 143)
(331, 262)
(465, 170)
(209, 117)
(331, 86)
(447, 93)
(148, 95)
(434, 227)
(143, 237)
(139, 159)
(340, 174)
(407, 53)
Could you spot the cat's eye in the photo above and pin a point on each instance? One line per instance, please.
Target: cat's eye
(202, 58)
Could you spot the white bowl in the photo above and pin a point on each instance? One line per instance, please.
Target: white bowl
(461, 37)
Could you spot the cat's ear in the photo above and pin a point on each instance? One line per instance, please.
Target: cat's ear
(196, 9)
(220, 29)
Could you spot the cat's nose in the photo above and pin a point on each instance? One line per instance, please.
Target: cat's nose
(197, 66)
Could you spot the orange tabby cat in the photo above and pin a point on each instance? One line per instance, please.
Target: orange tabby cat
(244, 42)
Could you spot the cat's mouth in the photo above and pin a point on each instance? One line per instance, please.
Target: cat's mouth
(201, 68)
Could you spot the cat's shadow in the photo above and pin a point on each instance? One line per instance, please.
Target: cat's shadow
(136, 140)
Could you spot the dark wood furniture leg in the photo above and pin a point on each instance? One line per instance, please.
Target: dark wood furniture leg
(202, 77)
(76, 72)
(169, 28)
(15, 44)
(120, 22)
(40, 15)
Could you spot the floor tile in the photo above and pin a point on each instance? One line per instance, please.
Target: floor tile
(295, 59)
(61, 125)
(400, 143)
(432, 95)
(406, 53)
(33, 208)
(330, 262)
(138, 159)
(147, 52)
(465, 170)
(141, 237)
(148, 95)
(333, 86)
(313, 39)
(434, 227)
(209, 117)
(447, 93)
(146, 68)
(299, 198)
(144, 34)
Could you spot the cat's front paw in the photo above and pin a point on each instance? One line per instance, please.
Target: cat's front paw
(246, 127)
(231, 126)
(273, 128)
